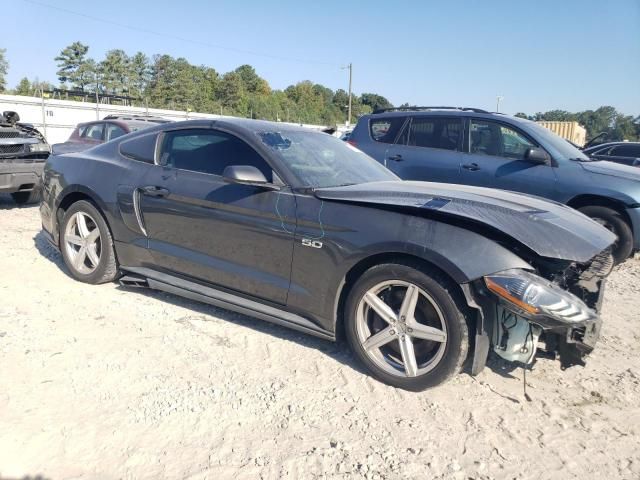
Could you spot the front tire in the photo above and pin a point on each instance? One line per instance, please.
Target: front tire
(407, 326)
(615, 222)
(86, 244)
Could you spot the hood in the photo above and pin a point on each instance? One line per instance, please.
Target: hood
(550, 229)
(612, 169)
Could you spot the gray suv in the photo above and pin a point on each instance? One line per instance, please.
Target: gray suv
(474, 147)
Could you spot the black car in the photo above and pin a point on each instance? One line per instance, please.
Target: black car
(627, 153)
(301, 229)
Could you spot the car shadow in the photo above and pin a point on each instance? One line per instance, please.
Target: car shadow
(337, 350)
(7, 203)
(49, 252)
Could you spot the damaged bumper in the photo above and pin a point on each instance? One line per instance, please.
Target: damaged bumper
(521, 314)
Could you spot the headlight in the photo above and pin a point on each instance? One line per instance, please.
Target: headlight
(537, 296)
(39, 148)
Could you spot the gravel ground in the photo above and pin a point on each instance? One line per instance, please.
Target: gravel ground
(109, 383)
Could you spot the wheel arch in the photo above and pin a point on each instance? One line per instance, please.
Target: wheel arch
(589, 200)
(356, 271)
(68, 197)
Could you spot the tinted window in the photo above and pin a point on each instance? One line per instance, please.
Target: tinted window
(386, 129)
(140, 148)
(490, 138)
(626, 151)
(114, 131)
(602, 151)
(93, 131)
(435, 132)
(319, 160)
(209, 151)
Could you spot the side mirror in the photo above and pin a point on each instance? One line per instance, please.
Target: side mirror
(247, 175)
(536, 155)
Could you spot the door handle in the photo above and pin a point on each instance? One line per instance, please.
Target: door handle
(471, 166)
(395, 158)
(154, 191)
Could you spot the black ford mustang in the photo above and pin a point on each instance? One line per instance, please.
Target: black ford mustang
(301, 229)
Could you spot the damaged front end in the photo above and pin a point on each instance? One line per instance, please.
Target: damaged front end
(553, 312)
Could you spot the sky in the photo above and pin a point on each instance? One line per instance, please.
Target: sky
(538, 55)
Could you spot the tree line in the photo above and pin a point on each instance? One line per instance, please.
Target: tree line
(173, 83)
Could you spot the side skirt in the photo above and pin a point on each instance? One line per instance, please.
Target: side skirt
(218, 298)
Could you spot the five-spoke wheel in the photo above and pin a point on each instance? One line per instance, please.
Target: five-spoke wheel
(83, 243)
(86, 244)
(408, 327)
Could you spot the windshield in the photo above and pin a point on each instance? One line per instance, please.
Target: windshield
(319, 160)
(561, 146)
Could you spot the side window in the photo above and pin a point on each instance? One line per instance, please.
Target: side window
(435, 132)
(602, 151)
(209, 151)
(141, 148)
(385, 130)
(93, 131)
(114, 131)
(490, 138)
(626, 151)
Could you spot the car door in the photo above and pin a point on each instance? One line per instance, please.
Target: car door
(428, 149)
(495, 157)
(378, 135)
(198, 225)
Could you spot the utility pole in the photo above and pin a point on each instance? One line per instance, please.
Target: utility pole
(499, 98)
(350, 67)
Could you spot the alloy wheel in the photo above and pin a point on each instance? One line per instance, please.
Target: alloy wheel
(83, 243)
(401, 328)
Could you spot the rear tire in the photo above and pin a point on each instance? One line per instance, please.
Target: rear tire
(615, 222)
(22, 198)
(86, 244)
(433, 335)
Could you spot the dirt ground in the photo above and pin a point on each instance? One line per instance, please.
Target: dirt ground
(109, 383)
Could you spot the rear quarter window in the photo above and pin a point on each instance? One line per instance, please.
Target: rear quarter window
(385, 130)
(142, 148)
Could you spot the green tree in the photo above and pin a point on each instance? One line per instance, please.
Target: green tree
(375, 101)
(75, 67)
(4, 68)
(232, 94)
(24, 87)
(139, 74)
(114, 73)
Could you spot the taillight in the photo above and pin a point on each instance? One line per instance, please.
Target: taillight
(352, 142)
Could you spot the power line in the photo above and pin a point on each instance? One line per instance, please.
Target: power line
(176, 37)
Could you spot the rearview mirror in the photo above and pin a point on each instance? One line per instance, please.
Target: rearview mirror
(536, 155)
(247, 175)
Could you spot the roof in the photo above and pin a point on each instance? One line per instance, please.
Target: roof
(448, 112)
(255, 125)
